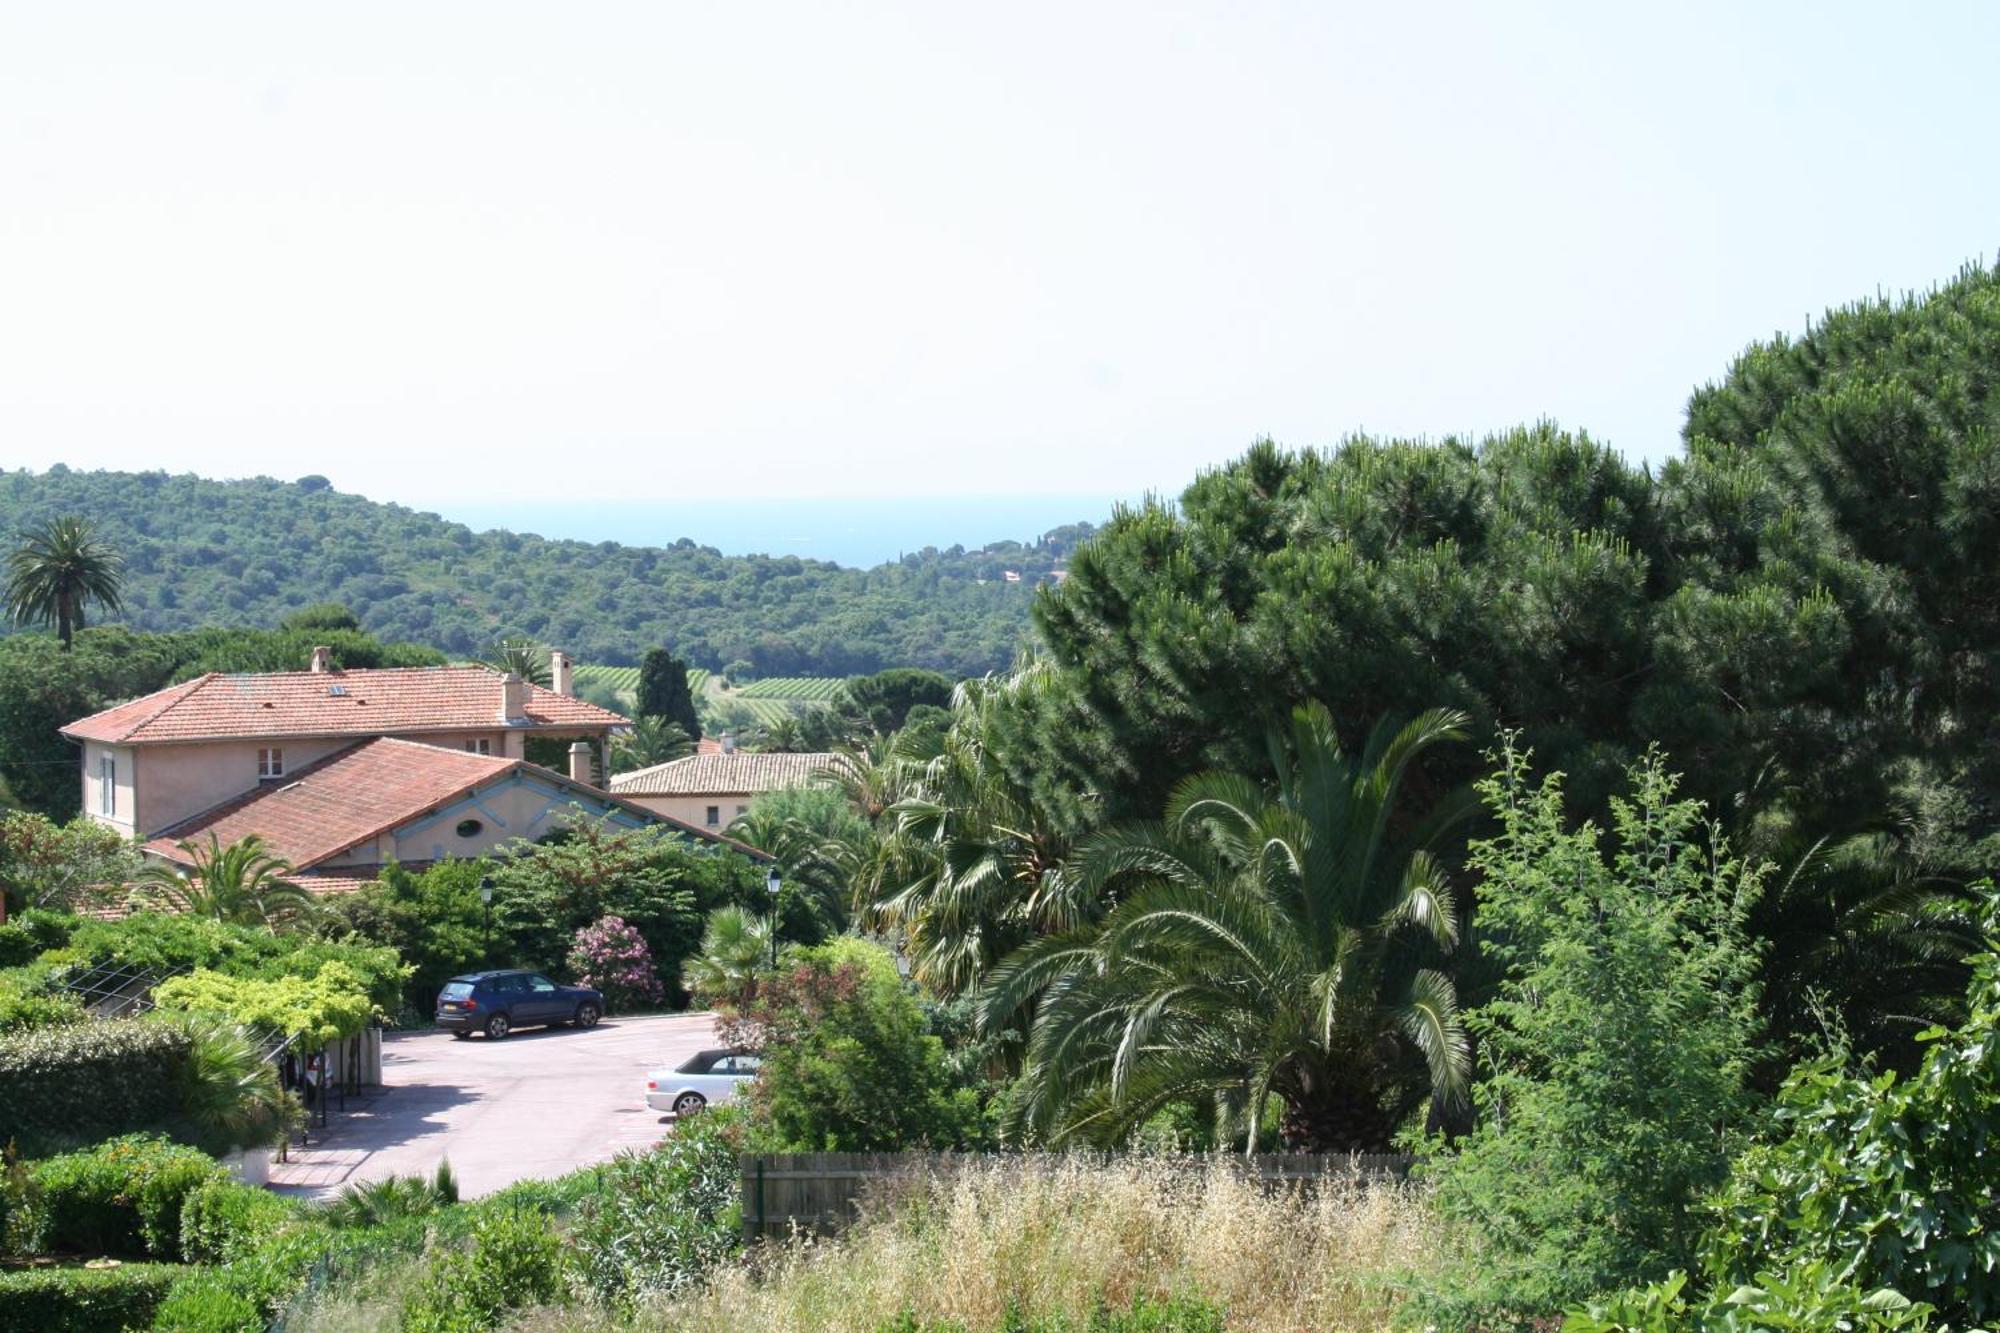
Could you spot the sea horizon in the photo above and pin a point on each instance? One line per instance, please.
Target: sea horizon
(858, 532)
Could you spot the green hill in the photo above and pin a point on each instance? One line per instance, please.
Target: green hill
(203, 552)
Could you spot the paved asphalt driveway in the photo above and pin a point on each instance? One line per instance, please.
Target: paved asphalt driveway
(533, 1106)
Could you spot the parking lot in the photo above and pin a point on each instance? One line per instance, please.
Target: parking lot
(533, 1106)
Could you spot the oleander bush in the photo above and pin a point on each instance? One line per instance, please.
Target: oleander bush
(84, 1300)
(662, 1220)
(64, 1086)
(122, 1198)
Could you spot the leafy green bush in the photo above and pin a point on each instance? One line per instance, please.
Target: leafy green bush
(325, 1006)
(17, 946)
(662, 1219)
(25, 1005)
(516, 1260)
(84, 1300)
(1815, 1297)
(76, 1084)
(245, 1295)
(1616, 1047)
(223, 1220)
(122, 1198)
(178, 942)
(848, 1063)
(50, 929)
(1889, 1181)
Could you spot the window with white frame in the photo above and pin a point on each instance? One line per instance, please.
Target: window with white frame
(107, 785)
(484, 745)
(270, 763)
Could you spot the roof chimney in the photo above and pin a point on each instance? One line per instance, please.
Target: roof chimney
(322, 660)
(513, 698)
(728, 743)
(561, 673)
(579, 763)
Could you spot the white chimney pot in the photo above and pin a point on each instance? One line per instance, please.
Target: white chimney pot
(562, 673)
(579, 763)
(322, 659)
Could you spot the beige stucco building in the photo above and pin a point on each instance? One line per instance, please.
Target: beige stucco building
(710, 790)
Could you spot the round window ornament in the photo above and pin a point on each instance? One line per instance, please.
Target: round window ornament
(470, 828)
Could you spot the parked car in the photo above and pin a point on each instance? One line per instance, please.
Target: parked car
(498, 1002)
(711, 1078)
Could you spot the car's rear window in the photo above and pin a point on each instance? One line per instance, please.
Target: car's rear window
(456, 990)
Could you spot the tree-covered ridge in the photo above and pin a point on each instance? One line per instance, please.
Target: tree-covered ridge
(199, 552)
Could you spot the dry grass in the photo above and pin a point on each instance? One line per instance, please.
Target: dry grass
(1063, 1237)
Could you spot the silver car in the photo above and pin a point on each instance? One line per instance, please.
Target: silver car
(708, 1079)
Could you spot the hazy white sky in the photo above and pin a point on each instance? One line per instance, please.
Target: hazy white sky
(452, 251)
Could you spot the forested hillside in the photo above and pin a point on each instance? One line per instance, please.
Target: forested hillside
(201, 552)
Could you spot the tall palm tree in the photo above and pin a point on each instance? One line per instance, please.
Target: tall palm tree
(57, 569)
(524, 657)
(1261, 943)
(241, 883)
(652, 740)
(972, 866)
(735, 950)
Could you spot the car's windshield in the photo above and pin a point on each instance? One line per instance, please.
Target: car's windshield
(456, 990)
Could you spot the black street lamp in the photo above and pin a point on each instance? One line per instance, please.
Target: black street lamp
(771, 883)
(486, 902)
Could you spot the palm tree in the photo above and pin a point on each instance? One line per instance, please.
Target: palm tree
(229, 1092)
(241, 883)
(57, 569)
(973, 866)
(652, 740)
(1261, 943)
(1861, 930)
(735, 950)
(524, 657)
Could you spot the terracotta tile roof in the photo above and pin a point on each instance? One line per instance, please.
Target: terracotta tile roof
(355, 795)
(383, 702)
(703, 774)
(343, 800)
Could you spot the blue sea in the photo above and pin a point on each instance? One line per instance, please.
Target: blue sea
(855, 532)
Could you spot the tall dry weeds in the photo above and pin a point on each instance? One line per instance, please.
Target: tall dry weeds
(1062, 1236)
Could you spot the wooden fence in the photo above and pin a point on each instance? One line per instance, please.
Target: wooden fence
(821, 1192)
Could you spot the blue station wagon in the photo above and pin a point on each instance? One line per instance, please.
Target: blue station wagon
(498, 1002)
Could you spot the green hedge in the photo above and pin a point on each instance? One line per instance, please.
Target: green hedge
(84, 1300)
(25, 1005)
(223, 1221)
(17, 946)
(123, 1198)
(65, 1086)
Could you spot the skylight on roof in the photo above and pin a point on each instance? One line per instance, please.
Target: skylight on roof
(336, 691)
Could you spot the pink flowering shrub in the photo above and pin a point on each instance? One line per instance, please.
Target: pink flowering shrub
(613, 957)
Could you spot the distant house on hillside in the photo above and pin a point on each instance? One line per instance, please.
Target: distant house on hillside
(710, 790)
(342, 771)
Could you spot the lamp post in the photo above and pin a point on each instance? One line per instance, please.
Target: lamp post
(772, 884)
(486, 904)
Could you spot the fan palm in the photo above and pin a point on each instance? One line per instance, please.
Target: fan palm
(735, 948)
(229, 1091)
(241, 883)
(524, 657)
(58, 568)
(1262, 943)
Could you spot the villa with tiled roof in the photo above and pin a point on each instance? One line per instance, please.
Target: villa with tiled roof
(340, 772)
(710, 790)
(158, 760)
